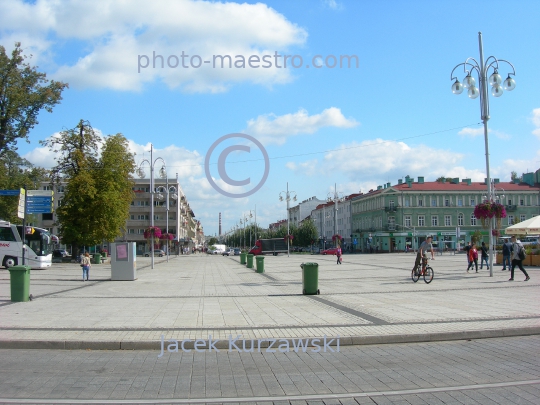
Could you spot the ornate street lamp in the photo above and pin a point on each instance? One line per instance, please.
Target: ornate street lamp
(336, 197)
(169, 192)
(287, 195)
(481, 70)
(141, 173)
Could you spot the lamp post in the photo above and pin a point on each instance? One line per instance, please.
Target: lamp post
(142, 174)
(286, 195)
(246, 219)
(336, 197)
(481, 70)
(170, 192)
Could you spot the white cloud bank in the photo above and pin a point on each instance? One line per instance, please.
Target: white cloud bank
(273, 129)
(536, 122)
(111, 35)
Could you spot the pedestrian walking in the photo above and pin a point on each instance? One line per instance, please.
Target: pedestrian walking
(467, 249)
(517, 259)
(338, 254)
(506, 252)
(484, 256)
(473, 257)
(85, 264)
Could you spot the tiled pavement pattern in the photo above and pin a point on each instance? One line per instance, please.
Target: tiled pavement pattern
(368, 299)
(486, 371)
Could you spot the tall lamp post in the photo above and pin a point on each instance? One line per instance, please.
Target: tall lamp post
(247, 217)
(336, 197)
(141, 173)
(481, 70)
(169, 192)
(287, 195)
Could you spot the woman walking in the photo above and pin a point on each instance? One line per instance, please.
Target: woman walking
(484, 256)
(516, 261)
(338, 254)
(473, 257)
(85, 263)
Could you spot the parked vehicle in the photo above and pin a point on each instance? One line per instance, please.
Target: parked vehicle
(237, 251)
(60, 253)
(157, 252)
(267, 246)
(331, 251)
(228, 252)
(38, 247)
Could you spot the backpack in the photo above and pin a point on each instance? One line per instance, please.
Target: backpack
(521, 254)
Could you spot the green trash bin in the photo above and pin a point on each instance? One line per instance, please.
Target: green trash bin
(310, 278)
(243, 258)
(249, 264)
(260, 263)
(97, 258)
(19, 277)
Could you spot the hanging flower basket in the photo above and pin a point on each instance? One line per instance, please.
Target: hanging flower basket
(487, 210)
(338, 237)
(167, 236)
(496, 233)
(289, 237)
(152, 231)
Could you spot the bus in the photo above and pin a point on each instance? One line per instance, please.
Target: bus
(38, 248)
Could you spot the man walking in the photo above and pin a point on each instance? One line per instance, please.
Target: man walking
(516, 261)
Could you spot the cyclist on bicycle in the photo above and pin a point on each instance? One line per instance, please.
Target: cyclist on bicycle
(422, 250)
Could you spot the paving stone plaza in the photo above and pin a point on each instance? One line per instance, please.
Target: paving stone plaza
(464, 338)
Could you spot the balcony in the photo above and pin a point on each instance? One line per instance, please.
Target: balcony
(511, 208)
(390, 227)
(391, 208)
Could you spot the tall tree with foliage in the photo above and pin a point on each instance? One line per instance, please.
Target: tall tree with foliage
(98, 190)
(15, 173)
(306, 233)
(24, 92)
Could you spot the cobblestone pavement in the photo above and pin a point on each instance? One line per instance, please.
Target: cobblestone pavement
(484, 371)
(368, 299)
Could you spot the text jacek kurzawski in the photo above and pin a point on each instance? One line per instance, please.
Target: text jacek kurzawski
(315, 345)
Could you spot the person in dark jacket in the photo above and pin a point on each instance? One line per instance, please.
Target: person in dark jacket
(506, 252)
(484, 257)
(516, 261)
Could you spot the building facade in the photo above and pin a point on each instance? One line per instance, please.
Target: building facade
(399, 217)
(328, 221)
(181, 218)
(303, 210)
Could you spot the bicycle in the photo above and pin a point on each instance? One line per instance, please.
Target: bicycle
(423, 270)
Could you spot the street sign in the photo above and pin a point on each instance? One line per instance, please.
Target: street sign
(20, 207)
(44, 193)
(38, 210)
(355, 241)
(10, 192)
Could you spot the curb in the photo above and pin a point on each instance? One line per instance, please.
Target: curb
(223, 344)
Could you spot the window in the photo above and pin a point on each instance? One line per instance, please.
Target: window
(420, 202)
(473, 202)
(510, 220)
(132, 217)
(509, 202)
(473, 220)
(460, 219)
(140, 231)
(47, 188)
(6, 234)
(47, 217)
(407, 203)
(447, 202)
(460, 202)
(408, 220)
(142, 217)
(434, 202)
(391, 203)
(447, 220)
(522, 218)
(521, 201)
(132, 231)
(421, 220)
(434, 220)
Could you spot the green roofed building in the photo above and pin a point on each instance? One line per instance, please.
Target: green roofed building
(399, 217)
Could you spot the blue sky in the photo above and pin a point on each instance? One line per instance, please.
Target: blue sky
(392, 115)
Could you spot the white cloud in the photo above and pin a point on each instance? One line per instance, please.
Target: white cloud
(115, 33)
(333, 4)
(270, 128)
(474, 132)
(536, 121)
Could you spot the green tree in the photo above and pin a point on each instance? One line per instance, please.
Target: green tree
(98, 190)
(24, 92)
(212, 241)
(514, 177)
(306, 233)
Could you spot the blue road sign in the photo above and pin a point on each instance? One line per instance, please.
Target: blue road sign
(38, 210)
(10, 192)
(39, 199)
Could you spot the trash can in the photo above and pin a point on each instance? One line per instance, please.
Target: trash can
(19, 277)
(310, 278)
(243, 258)
(97, 258)
(260, 263)
(249, 264)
